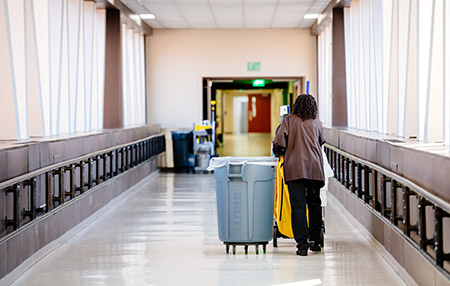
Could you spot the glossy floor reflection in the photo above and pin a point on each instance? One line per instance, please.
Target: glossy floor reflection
(246, 145)
(164, 232)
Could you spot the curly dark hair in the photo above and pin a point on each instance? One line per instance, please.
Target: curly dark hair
(305, 106)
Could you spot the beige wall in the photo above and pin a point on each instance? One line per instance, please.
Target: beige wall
(177, 60)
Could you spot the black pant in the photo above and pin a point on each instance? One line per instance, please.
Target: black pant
(302, 192)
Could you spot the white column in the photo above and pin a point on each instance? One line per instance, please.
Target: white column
(101, 22)
(436, 85)
(8, 128)
(89, 12)
(42, 29)
(426, 9)
(74, 8)
(402, 60)
(447, 73)
(36, 127)
(387, 11)
(16, 23)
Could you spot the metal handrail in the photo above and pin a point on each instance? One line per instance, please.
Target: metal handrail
(15, 180)
(429, 196)
(350, 170)
(61, 183)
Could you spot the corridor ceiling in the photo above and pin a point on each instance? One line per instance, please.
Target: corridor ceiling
(217, 14)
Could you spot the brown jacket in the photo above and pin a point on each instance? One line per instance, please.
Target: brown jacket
(302, 142)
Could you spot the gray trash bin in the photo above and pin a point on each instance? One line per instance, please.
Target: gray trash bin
(245, 200)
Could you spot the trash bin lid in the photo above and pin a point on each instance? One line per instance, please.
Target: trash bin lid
(181, 131)
(217, 162)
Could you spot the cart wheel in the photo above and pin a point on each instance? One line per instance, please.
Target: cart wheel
(246, 249)
(322, 231)
(257, 249)
(264, 248)
(228, 248)
(234, 249)
(275, 236)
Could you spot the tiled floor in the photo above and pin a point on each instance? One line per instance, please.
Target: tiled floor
(164, 232)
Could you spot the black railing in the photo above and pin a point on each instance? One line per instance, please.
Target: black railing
(404, 204)
(58, 183)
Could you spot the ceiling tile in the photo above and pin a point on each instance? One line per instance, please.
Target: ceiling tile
(259, 14)
(197, 13)
(228, 14)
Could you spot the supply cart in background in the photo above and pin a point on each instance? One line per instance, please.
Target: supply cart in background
(203, 145)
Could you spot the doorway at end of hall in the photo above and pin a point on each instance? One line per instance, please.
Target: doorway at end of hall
(247, 116)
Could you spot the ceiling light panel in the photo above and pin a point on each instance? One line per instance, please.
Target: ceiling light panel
(166, 13)
(228, 14)
(197, 13)
(259, 13)
(306, 23)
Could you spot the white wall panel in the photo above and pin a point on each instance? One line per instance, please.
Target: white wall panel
(398, 67)
(125, 76)
(426, 9)
(447, 73)
(365, 61)
(351, 121)
(64, 90)
(89, 12)
(329, 71)
(373, 107)
(41, 26)
(325, 76)
(74, 8)
(143, 104)
(387, 11)
(377, 26)
(16, 22)
(411, 92)
(55, 38)
(8, 128)
(94, 90)
(34, 95)
(80, 116)
(54, 77)
(402, 57)
(100, 76)
(436, 84)
(356, 46)
(392, 118)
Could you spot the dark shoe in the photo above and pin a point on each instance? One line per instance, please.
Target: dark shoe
(314, 247)
(303, 252)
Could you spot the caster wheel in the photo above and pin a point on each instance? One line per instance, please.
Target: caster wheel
(275, 236)
(246, 249)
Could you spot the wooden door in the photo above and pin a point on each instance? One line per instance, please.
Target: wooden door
(259, 113)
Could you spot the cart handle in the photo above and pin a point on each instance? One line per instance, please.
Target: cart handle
(239, 174)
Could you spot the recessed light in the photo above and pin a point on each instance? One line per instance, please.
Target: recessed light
(147, 16)
(311, 16)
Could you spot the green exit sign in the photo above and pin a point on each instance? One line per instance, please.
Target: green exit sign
(253, 66)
